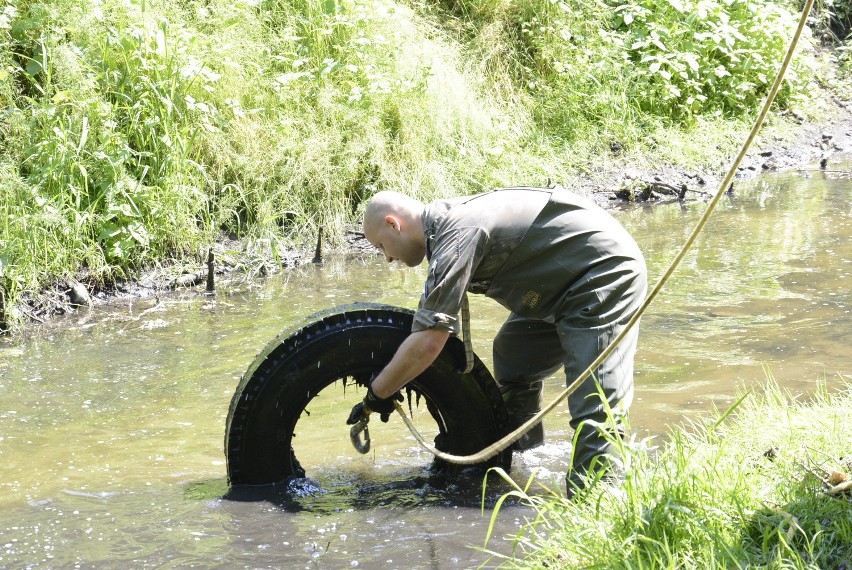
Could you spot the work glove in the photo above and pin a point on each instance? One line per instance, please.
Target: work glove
(372, 403)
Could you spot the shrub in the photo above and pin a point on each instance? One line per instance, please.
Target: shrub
(702, 56)
(618, 69)
(844, 57)
(831, 20)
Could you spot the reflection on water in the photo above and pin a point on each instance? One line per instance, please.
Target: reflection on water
(111, 427)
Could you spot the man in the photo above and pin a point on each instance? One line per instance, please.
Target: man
(568, 272)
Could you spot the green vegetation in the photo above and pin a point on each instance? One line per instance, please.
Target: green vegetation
(139, 132)
(831, 20)
(844, 72)
(759, 486)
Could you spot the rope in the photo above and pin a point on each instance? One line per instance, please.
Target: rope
(498, 446)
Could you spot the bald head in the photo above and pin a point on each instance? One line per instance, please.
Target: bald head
(391, 203)
(393, 223)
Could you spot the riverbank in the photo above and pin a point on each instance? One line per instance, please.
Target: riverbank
(766, 483)
(788, 143)
(144, 136)
(137, 139)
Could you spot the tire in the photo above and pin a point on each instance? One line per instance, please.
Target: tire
(349, 343)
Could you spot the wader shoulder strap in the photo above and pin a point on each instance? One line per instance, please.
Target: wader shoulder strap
(468, 345)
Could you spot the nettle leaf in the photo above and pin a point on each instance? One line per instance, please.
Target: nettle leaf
(109, 231)
(721, 71)
(330, 65)
(127, 210)
(122, 248)
(677, 5)
(138, 233)
(34, 67)
(691, 60)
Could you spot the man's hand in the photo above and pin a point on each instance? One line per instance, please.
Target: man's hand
(414, 355)
(384, 406)
(372, 403)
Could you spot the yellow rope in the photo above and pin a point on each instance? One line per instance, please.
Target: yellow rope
(511, 438)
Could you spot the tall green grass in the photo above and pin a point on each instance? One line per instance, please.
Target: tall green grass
(740, 489)
(135, 132)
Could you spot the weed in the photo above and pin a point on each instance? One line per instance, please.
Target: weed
(734, 489)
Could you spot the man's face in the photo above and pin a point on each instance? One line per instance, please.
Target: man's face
(395, 242)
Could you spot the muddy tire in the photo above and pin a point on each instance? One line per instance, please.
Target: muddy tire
(346, 345)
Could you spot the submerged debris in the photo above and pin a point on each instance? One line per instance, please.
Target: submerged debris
(835, 481)
(839, 483)
(78, 295)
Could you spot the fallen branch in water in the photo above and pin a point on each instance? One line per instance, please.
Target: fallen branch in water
(635, 190)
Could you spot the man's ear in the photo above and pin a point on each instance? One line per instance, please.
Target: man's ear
(393, 221)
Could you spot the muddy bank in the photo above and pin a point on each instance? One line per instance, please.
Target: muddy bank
(612, 182)
(810, 147)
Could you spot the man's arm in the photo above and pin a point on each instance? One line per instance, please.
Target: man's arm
(412, 357)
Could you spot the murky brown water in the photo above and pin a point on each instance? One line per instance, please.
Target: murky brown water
(111, 430)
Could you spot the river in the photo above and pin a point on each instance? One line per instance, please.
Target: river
(112, 423)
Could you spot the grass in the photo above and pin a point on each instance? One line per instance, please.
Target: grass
(141, 132)
(744, 488)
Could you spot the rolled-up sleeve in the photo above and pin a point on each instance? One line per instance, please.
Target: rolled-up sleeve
(455, 256)
(424, 319)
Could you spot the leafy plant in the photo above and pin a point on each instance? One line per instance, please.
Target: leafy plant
(831, 20)
(844, 57)
(699, 56)
(134, 132)
(613, 70)
(122, 230)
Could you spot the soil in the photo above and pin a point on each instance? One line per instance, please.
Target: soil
(611, 183)
(812, 146)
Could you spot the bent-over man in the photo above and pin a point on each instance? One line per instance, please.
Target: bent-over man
(568, 272)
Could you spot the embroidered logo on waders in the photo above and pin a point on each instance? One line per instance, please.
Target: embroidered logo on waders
(531, 299)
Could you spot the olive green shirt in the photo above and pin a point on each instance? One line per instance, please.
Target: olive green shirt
(542, 253)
